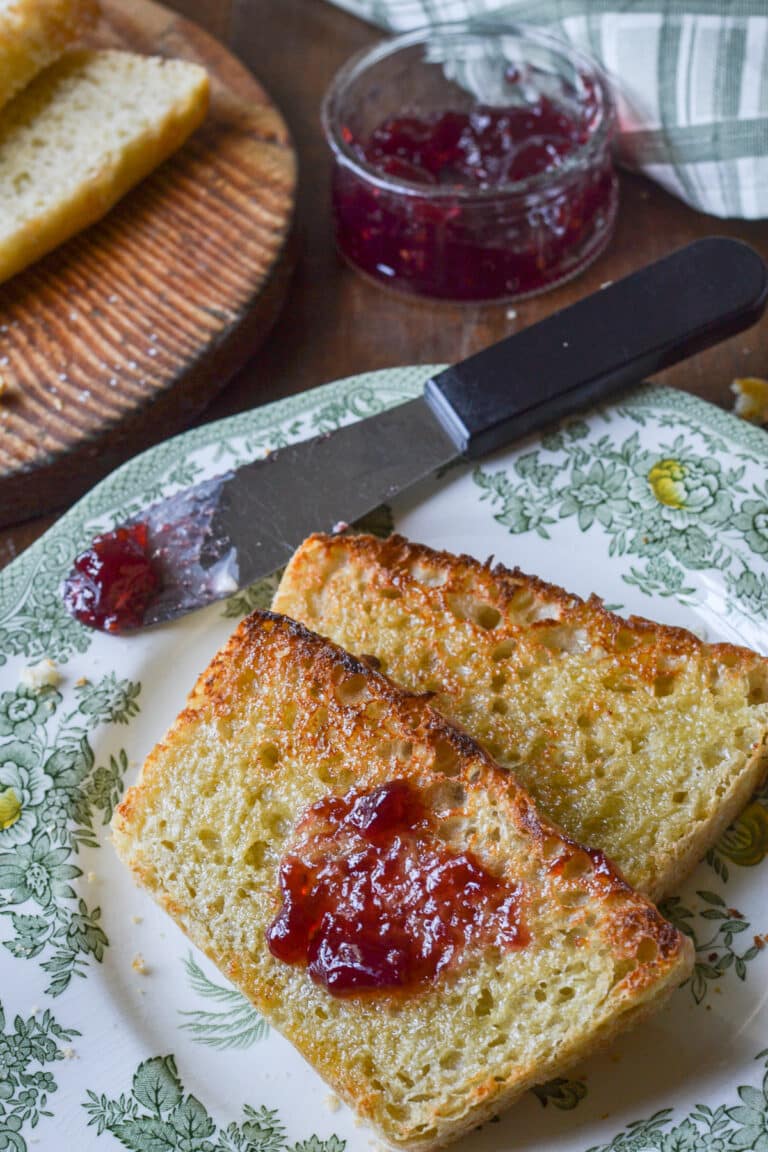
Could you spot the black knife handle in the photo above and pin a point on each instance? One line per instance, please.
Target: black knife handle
(666, 312)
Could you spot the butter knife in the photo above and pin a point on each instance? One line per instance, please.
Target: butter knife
(207, 541)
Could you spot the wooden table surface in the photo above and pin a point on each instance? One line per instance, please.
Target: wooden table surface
(334, 323)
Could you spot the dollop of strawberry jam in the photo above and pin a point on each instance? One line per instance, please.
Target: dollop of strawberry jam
(510, 239)
(372, 898)
(112, 581)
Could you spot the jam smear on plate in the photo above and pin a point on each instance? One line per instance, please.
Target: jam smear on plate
(112, 581)
(373, 899)
(479, 230)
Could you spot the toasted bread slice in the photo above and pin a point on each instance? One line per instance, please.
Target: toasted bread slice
(282, 719)
(80, 136)
(34, 33)
(636, 738)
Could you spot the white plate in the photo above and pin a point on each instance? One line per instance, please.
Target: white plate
(660, 504)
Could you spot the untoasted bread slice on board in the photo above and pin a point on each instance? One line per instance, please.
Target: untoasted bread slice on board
(80, 136)
(34, 33)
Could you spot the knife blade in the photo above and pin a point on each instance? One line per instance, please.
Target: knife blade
(210, 540)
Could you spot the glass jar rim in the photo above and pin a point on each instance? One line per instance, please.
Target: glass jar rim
(576, 163)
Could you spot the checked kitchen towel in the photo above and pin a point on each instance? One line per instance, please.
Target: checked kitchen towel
(691, 80)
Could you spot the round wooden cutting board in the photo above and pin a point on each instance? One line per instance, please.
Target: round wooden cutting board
(121, 336)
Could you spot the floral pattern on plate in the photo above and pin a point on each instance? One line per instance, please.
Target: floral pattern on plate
(669, 493)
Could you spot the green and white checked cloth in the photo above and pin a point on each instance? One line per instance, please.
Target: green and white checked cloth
(691, 80)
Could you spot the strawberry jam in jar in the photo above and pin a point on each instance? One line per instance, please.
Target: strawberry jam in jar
(471, 163)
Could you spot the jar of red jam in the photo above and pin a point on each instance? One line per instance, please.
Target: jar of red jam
(471, 162)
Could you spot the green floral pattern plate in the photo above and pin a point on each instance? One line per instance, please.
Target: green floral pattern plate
(114, 1034)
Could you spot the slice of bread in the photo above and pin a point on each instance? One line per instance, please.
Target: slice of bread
(281, 719)
(34, 33)
(636, 738)
(80, 136)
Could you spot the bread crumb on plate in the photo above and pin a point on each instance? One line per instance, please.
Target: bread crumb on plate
(751, 402)
(44, 674)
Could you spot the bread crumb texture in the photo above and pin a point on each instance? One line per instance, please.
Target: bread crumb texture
(83, 133)
(44, 674)
(751, 401)
(34, 33)
(637, 738)
(282, 718)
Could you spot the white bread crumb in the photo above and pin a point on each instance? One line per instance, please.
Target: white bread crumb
(68, 1053)
(91, 877)
(138, 964)
(45, 674)
(136, 919)
(332, 1102)
(751, 401)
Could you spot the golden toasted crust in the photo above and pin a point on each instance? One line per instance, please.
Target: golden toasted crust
(280, 719)
(636, 737)
(80, 136)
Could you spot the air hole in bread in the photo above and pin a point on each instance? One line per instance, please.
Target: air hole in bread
(450, 1059)
(578, 867)
(318, 719)
(584, 721)
(647, 950)
(712, 755)
(499, 706)
(679, 797)
(390, 593)
(486, 616)
(404, 1078)
(626, 640)
(446, 758)
(592, 751)
(430, 577)
(190, 889)
(216, 906)
(564, 639)
(277, 824)
(352, 691)
(268, 755)
(208, 838)
(255, 854)
(758, 686)
(320, 1012)
(375, 710)
(498, 680)
(484, 1003)
(521, 599)
(169, 844)
(540, 995)
(503, 650)
(663, 686)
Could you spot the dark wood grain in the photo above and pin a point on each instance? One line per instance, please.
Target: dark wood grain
(334, 323)
(123, 335)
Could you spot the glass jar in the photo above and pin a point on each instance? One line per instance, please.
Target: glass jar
(471, 162)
